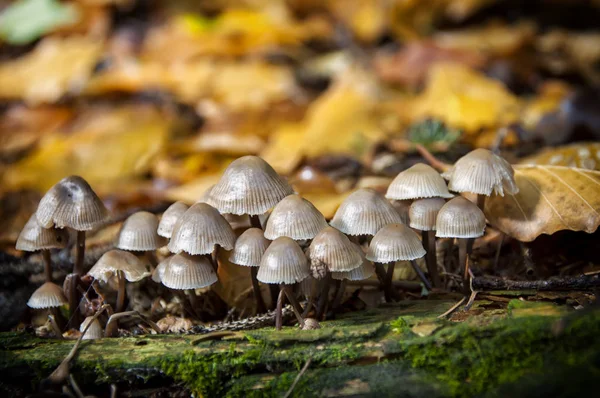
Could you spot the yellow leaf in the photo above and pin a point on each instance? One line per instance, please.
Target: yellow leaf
(548, 101)
(284, 150)
(191, 192)
(465, 99)
(550, 199)
(326, 203)
(585, 155)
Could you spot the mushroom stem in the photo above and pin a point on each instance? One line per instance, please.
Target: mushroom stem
(420, 274)
(255, 221)
(47, 265)
(430, 257)
(390, 273)
(295, 304)
(78, 266)
(121, 292)
(337, 299)
(194, 303)
(279, 310)
(380, 271)
(324, 296)
(72, 282)
(214, 259)
(57, 321)
(462, 262)
(260, 302)
(481, 202)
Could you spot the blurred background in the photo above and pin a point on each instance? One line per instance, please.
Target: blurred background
(150, 100)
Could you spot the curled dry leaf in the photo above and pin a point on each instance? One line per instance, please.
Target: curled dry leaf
(550, 199)
(582, 155)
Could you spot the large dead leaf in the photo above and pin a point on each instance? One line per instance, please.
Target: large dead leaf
(582, 155)
(550, 199)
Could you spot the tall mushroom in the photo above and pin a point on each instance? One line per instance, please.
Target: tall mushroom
(169, 218)
(284, 263)
(72, 203)
(33, 238)
(417, 182)
(395, 242)
(139, 233)
(296, 218)
(122, 265)
(463, 220)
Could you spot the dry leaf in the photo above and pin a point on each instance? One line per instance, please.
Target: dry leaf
(582, 155)
(191, 192)
(550, 96)
(284, 151)
(550, 199)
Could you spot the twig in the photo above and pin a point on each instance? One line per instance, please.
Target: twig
(75, 387)
(452, 309)
(432, 160)
(582, 282)
(297, 379)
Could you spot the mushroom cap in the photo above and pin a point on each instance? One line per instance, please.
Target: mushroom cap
(159, 271)
(118, 260)
(48, 295)
(34, 237)
(94, 331)
(249, 185)
(200, 229)
(185, 271)
(403, 208)
(423, 213)
(249, 248)
(362, 272)
(418, 181)
(395, 242)
(169, 218)
(283, 262)
(311, 324)
(482, 172)
(460, 218)
(138, 233)
(333, 250)
(364, 212)
(71, 203)
(296, 218)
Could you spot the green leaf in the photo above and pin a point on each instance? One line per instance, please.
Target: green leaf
(429, 132)
(27, 20)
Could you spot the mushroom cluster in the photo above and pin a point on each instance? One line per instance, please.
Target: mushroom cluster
(292, 245)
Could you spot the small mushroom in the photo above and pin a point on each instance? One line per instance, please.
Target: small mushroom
(49, 296)
(169, 218)
(402, 207)
(460, 218)
(159, 271)
(364, 212)
(139, 234)
(311, 324)
(94, 331)
(125, 266)
(284, 263)
(296, 218)
(423, 214)
(33, 238)
(364, 271)
(248, 251)
(418, 181)
(395, 242)
(185, 272)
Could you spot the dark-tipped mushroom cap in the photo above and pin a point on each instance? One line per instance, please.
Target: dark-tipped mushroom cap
(418, 181)
(49, 295)
(283, 262)
(332, 250)
(362, 272)
(185, 271)
(296, 218)
(139, 233)
(94, 331)
(364, 212)
(34, 237)
(71, 203)
(249, 185)
(118, 260)
(460, 218)
(395, 242)
(249, 248)
(482, 172)
(423, 213)
(200, 229)
(170, 217)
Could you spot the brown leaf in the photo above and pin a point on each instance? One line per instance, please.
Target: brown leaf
(585, 155)
(550, 199)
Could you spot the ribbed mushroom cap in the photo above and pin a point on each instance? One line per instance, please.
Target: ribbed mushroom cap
(200, 229)
(34, 237)
(332, 250)
(296, 218)
(423, 213)
(249, 185)
(395, 242)
(362, 272)
(364, 212)
(94, 331)
(249, 248)
(159, 271)
(418, 181)
(170, 217)
(482, 172)
(71, 203)
(460, 218)
(403, 208)
(185, 271)
(119, 260)
(139, 233)
(283, 262)
(48, 295)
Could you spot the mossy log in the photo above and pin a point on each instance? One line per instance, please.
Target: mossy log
(400, 349)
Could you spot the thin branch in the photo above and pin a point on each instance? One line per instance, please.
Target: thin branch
(297, 379)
